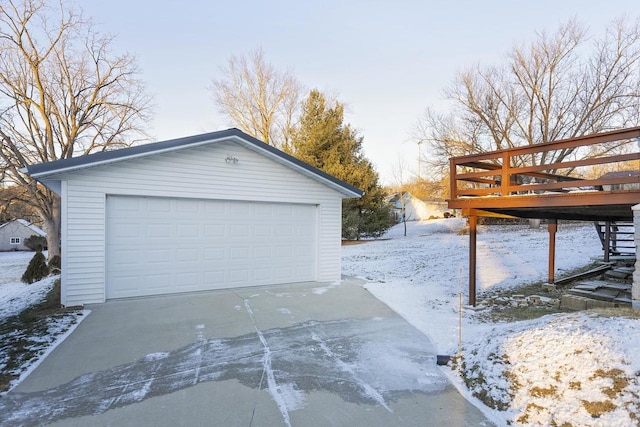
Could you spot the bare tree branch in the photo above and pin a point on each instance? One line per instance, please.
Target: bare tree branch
(565, 84)
(258, 99)
(63, 94)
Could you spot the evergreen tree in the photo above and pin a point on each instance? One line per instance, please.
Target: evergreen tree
(324, 141)
(37, 269)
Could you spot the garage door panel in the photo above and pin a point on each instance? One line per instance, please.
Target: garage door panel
(239, 209)
(215, 278)
(159, 282)
(163, 245)
(214, 254)
(283, 273)
(262, 231)
(188, 231)
(187, 280)
(240, 276)
(156, 231)
(127, 258)
(214, 230)
(262, 252)
(159, 256)
(188, 255)
(157, 205)
(263, 274)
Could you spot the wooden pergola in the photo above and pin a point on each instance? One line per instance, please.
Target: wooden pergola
(557, 180)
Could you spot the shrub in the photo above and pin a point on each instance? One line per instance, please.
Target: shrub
(36, 270)
(36, 242)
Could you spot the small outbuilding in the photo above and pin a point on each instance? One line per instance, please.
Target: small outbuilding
(211, 211)
(407, 206)
(13, 234)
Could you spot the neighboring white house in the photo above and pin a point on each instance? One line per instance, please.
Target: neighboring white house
(13, 233)
(416, 209)
(211, 211)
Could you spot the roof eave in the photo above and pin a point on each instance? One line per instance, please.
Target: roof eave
(44, 170)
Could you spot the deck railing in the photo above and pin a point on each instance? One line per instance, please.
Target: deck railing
(551, 168)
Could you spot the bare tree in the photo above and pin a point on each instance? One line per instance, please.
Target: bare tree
(64, 94)
(258, 98)
(563, 85)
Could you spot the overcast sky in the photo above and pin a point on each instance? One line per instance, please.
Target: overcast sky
(386, 60)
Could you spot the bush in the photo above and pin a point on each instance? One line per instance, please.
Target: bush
(36, 243)
(36, 270)
(55, 264)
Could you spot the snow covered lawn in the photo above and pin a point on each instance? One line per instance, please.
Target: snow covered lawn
(575, 368)
(26, 339)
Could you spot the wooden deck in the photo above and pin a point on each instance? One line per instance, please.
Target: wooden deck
(590, 178)
(517, 181)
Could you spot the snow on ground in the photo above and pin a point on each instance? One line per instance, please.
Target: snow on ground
(15, 297)
(576, 368)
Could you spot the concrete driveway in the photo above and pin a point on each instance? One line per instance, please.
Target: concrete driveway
(306, 354)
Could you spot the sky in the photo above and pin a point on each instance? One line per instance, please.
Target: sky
(385, 60)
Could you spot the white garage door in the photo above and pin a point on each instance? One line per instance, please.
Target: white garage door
(161, 245)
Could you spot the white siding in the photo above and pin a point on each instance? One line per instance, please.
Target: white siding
(199, 173)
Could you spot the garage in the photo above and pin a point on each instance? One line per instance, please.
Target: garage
(168, 245)
(220, 210)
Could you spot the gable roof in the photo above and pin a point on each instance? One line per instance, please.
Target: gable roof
(27, 224)
(43, 171)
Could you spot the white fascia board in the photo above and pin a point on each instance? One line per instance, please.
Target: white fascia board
(302, 170)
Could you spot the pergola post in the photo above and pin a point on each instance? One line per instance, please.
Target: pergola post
(552, 226)
(473, 233)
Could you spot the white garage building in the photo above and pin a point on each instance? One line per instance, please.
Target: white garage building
(211, 211)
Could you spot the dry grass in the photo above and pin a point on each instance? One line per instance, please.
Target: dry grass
(627, 312)
(21, 335)
(596, 409)
(619, 381)
(551, 391)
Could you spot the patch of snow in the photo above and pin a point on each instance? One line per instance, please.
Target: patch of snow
(543, 370)
(156, 356)
(422, 276)
(323, 289)
(16, 296)
(294, 398)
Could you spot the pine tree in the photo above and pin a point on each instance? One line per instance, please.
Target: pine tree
(324, 141)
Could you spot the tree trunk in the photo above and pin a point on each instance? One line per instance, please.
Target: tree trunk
(52, 227)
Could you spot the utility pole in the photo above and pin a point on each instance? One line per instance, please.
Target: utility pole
(419, 160)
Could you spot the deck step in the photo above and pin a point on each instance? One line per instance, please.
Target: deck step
(601, 294)
(596, 284)
(623, 299)
(618, 274)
